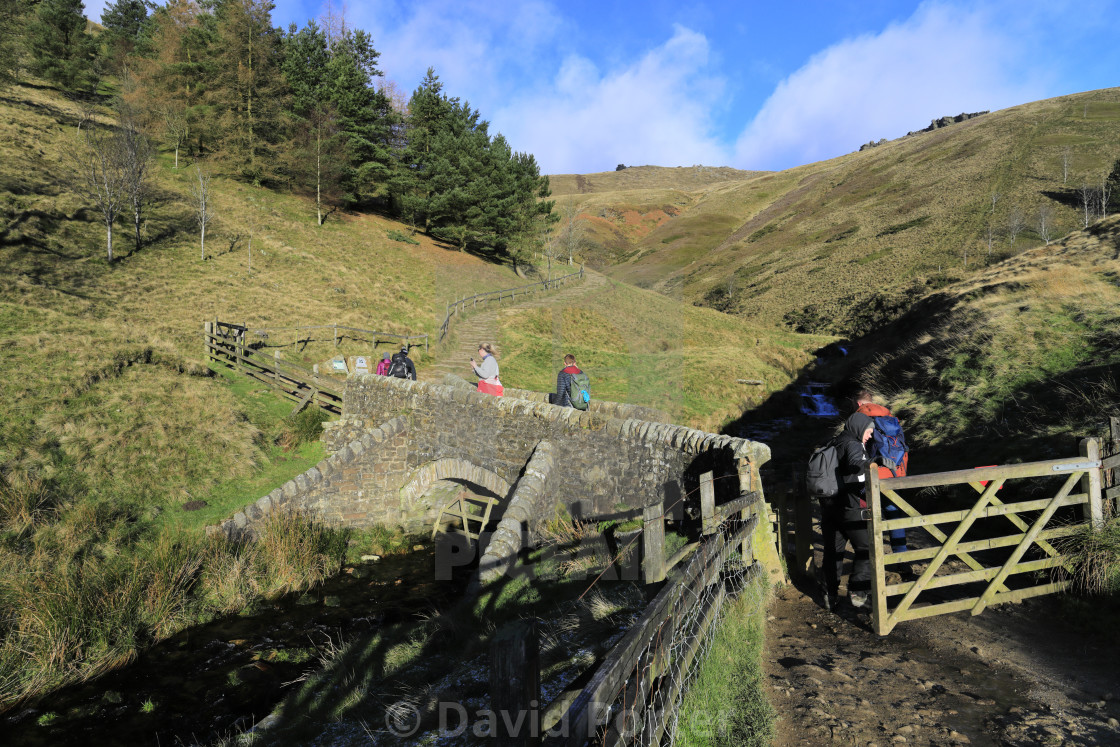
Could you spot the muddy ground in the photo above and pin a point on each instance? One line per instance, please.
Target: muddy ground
(1019, 674)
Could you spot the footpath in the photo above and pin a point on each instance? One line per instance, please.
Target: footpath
(1041, 672)
(469, 330)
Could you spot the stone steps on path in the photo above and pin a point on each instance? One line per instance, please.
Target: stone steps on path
(483, 327)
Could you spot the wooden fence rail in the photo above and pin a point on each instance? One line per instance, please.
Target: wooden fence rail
(461, 305)
(1013, 566)
(632, 695)
(225, 344)
(374, 337)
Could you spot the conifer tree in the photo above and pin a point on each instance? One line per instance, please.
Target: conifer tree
(173, 75)
(11, 24)
(316, 152)
(249, 91)
(123, 21)
(457, 206)
(64, 53)
(428, 111)
(366, 116)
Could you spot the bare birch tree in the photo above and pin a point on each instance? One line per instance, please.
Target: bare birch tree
(175, 129)
(1046, 222)
(1103, 193)
(136, 164)
(1016, 222)
(573, 229)
(991, 240)
(995, 198)
(98, 161)
(1067, 157)
(201, 202)
(1088, 200)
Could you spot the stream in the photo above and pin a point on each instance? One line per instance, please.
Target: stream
(214, 680)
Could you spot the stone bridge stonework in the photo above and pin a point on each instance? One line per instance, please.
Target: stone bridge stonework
(397, 439)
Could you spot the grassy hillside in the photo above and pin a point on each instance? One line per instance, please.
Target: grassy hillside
(113, 423)
(1020, 361)
(642, 347)
(812, 244)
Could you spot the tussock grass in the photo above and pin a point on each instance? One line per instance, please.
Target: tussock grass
(1096, 558)
(113, 421)
(726, 703)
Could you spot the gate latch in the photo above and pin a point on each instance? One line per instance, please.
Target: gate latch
(1076, 467)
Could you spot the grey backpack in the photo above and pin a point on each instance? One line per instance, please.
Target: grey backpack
(820, 477)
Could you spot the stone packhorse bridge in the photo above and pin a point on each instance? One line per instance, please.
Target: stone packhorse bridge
(403, 449)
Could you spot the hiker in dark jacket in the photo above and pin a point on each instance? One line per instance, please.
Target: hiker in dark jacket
(842, 515)
(402, 366)
(563, 396)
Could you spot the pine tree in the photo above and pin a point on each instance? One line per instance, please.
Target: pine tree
(457, 206)
(249, 92)
(11, 25)
(64, 53)
(173, 76)
(317, 153)
(428, 112)
(123, 21)
(366, 116)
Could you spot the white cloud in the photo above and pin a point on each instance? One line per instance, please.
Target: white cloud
(941, 61)
(480, 49)
(653, 111)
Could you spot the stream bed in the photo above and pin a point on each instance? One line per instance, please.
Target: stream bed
(215, 680)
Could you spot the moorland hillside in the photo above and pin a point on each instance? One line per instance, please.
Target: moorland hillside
(849, 242)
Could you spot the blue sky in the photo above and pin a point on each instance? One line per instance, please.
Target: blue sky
(756, 85)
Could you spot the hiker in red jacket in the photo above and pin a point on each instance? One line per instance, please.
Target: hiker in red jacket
(865, 404)
(563, 395)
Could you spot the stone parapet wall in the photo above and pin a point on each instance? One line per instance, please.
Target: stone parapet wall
(530, 499)
(598, 406)
(602, 463)
(347, 488)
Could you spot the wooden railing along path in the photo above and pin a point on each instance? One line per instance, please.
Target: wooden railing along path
(633, 694)
(457, 307)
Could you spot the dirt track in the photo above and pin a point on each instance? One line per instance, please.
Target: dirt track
(1015, 675)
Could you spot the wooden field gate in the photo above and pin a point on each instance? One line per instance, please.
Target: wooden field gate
(993, 551)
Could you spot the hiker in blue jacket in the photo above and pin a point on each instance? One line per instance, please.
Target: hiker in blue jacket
(842, 515)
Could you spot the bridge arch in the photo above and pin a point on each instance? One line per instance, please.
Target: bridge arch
(437, 488)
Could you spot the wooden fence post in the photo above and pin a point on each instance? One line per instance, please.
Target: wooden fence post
(707, 503)
(1091, 483)
(879, 612)
(276, 366)
(336, 335)
(653, 543)
(515, 684)
(802, 530)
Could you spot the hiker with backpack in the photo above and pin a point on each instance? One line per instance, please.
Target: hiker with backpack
(888, 444)
(401, 366)
(836, 477)
(573, 387)
(486, 369)
(383, 365)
